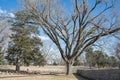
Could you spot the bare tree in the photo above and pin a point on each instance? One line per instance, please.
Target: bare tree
(117, 53)
(5, 21)
(49, 52)
(3, 35)
(72, 32)
(4, 32)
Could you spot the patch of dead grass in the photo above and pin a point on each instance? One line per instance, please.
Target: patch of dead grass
(37, 77)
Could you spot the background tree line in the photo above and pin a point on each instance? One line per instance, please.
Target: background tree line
(100, 59)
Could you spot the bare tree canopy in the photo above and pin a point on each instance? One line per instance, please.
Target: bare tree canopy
(49, 52)
(76, 29)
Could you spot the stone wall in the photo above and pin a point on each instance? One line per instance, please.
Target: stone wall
(112, 74)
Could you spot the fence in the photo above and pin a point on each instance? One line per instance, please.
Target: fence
(111, 74)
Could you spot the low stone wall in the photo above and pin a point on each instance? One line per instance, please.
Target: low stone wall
(112, 74)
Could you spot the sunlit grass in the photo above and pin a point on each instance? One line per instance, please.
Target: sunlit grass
(37, 77)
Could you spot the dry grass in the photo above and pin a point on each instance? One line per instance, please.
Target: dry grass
(46, 73)
(60, 69)
(36, 77)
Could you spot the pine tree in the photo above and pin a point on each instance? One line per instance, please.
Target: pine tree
(24, 49)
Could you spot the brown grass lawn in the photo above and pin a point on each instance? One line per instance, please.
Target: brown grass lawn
(36, 77)
(46, 73)
(43, 69)
(52, 73)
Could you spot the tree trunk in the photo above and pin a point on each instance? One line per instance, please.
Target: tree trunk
(68, 68)
(119, 65)
(17, 67)
(90, 66)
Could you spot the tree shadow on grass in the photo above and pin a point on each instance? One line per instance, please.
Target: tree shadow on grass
(9, 71)
(12, 76)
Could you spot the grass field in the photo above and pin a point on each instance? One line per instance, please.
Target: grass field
(42, 69)
(46, 73)
(57, 73)
(36, 77)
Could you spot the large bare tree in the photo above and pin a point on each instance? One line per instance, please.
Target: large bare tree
(71, 29)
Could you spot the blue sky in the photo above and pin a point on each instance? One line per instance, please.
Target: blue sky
(8, 5)
(13, 6)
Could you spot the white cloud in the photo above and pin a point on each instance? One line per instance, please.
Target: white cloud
(41, 37)
(11, 15)
(44, 38)
(51, 49)
(1, 11)
(5, 13)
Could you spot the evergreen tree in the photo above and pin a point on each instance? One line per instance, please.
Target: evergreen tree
(24, 49)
